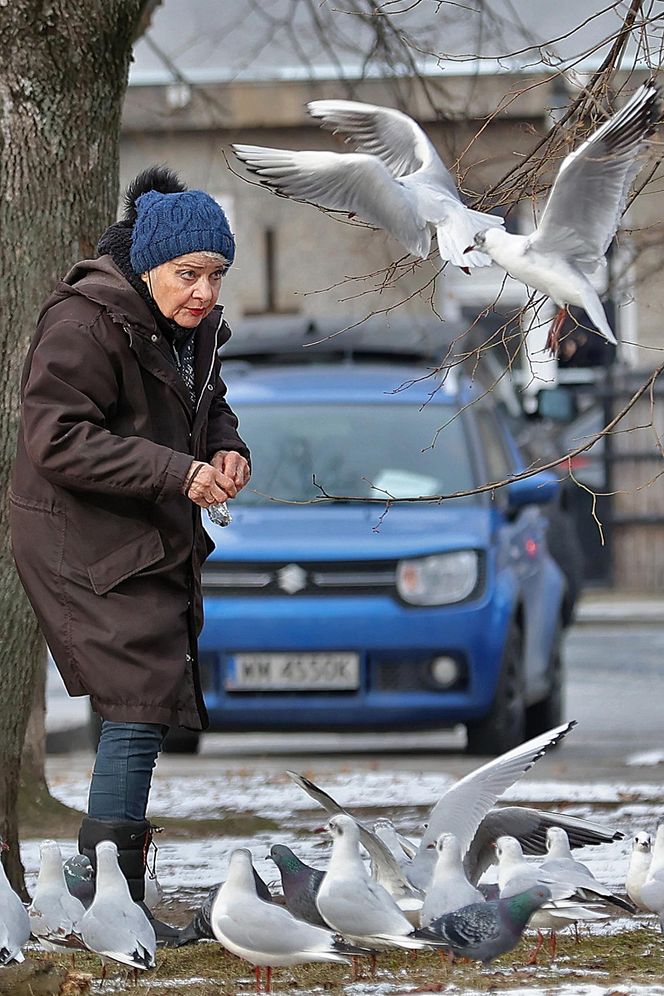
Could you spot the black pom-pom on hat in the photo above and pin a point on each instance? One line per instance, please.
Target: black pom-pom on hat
(159, 178)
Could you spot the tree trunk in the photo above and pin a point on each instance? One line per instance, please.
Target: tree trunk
(64, 75)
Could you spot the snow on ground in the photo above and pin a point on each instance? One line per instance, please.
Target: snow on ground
(274, 795)
(193, 865)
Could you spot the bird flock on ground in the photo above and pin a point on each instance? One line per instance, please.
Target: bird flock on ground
(396, 181)
(430, 894)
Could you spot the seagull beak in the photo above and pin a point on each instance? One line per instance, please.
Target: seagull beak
(469, 249)
(320, 829)
(430, 846)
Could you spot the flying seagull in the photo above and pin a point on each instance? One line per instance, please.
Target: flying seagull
(581, 216)
(395, 180)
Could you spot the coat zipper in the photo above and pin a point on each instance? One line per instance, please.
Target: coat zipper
(214, 355)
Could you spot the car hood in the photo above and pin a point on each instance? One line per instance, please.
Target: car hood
(349, 532)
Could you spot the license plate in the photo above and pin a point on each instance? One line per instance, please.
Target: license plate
(292, 672)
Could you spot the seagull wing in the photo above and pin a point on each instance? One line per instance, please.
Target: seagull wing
(393, 136)
(352, 182)
(384, 866)
(589, 195)
(529, 826)
(463, 807)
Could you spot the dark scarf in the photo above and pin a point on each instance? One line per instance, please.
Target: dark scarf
(116, 241)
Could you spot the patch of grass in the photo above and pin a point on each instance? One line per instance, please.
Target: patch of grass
(206, 969)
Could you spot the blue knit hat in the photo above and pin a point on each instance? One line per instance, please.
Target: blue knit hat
(170, 225)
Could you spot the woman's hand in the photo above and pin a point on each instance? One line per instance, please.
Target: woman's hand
(233, 465)
(206, 485)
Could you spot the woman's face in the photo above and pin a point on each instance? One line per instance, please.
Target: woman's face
(186, 288)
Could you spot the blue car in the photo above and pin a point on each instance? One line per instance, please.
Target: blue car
(363, 614)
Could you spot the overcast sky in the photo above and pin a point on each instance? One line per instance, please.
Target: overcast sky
(256, 39)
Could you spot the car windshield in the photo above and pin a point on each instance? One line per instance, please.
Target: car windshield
(354, 451)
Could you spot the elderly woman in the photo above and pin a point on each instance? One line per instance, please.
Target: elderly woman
(125, 435)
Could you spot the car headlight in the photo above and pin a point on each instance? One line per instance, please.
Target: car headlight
(440, 579)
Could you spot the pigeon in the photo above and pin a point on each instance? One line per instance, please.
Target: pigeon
(516, 874)
(450, 888)
(14, 919)
(581, 216)
(485, 930)
(199, 927)
(652, 890)
(264, 934)
(639, 865)
(395, 180)
(80, 878)
(300, 883)
(352, 903)
(114, 926)
(54, 913)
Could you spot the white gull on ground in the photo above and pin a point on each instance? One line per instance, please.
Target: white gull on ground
(54, 913)
(450, 888)
(14, 920)
(395, 180)
(581, 215)
(652, 890)
(354, 904)
(264, 934)
(564, 867)
(114, 926)
(516, 874)
(638, 868)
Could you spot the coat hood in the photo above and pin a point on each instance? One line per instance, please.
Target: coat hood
(101, 282)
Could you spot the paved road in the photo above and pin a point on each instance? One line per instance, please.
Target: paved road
(615, 690)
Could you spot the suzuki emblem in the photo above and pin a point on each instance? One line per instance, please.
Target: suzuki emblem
(291, 579)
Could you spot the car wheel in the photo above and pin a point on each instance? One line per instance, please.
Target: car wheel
(504, 726)
(548, 712)
(565, 547)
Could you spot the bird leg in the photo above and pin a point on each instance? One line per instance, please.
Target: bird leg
(268, 979)
(532, 960)
(553, 338)
(373, 961)
(258, 974)
(553, 944)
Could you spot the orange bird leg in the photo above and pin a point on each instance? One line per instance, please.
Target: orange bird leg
(553, 338)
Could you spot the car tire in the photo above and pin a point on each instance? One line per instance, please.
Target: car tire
(548, 712)
(504, 726)
(564, 546)
(177, 741)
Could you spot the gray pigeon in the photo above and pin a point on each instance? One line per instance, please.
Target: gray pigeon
(80, 878)
(485, 930)
(300, 884)
(199, 927)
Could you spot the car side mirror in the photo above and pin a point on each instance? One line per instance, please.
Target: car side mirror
(557, 404)
(538, 489)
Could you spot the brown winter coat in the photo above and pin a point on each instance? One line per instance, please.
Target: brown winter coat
(108, 549)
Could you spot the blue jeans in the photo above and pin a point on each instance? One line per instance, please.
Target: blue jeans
(122, 775)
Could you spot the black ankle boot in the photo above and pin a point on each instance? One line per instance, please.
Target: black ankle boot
(132, 839)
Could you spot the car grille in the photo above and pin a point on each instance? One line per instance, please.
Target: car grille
(309, 578)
